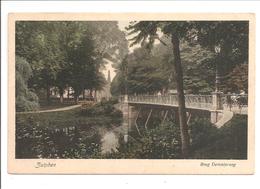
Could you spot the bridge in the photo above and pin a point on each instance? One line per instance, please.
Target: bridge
(234, 103)
(220, 107)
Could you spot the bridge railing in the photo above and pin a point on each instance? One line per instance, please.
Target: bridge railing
(199, 101)
(192, 101)
(237, 103)
(232, 102)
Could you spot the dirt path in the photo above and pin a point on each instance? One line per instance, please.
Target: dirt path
(227, 116)
(52, 110)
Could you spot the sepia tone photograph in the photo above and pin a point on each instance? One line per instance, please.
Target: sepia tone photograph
(99, 89)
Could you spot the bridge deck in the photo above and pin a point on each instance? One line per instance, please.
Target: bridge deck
(199, 102)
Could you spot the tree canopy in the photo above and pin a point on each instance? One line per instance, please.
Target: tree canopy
(189, 55)
(198, 56)
(69, 53)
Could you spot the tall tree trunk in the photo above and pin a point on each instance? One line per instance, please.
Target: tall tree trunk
(61, 98)
(68, 95)
(76, 99)
(91, 93)
(48, 95)
(61, 91)
(185, 138)
(95, 95)
(83, 94)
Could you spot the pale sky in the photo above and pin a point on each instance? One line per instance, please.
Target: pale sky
(122, 25)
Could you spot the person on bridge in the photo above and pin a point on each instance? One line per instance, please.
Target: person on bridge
(229, 101)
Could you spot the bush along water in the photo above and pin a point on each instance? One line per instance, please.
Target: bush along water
(45, 142)
(228, 142)
(105, 107)
(162, 142)
(207, 141)
(68, 134)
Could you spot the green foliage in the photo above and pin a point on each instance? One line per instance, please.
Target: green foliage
(69, 53)
(197, 51)
(117, 84)
(232, 38)
(237, 79)
(38, 43)
(207, 141)
(152, 72)
(103, 108)
(228, 142)
(68, 134)
(203, 133)
(162, 142)
(110, 42)
(33, 141)
(26, 100)
(145, 74)
(195, 60)
(82, 68)
(235, 135)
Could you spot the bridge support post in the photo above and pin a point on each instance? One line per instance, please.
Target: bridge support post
(217, 106)
(125, 111)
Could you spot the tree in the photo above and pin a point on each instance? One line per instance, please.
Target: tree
(64, 53)
(232, 39)
(176, 30)
(195, 60)
(84, 62)
(237, 79)
(145, 73)
(61, 82)
(82, 65)
(26, 99)
(38, 43)
(110, 41)
(152, 72)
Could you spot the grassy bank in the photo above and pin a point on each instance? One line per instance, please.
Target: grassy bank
(67, 134)
(76, 134)
(228, 142)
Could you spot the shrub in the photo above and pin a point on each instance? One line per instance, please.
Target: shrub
(103, 108)
(33, 141)
(24, 104)
(228, 142)
(202, 133)
(41, 135)
(233, 138)
(26, 100)
(162, 142)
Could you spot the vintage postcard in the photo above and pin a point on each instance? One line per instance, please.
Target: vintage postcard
(131, 93)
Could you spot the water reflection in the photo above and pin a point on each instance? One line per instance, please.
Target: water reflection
(109, 142)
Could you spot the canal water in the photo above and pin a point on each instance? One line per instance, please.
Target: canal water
(109, 142)
(110, 138)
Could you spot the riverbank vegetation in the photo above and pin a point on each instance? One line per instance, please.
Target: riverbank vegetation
(207, 141)
(76, 134)
(228, 142)
(67, 134)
